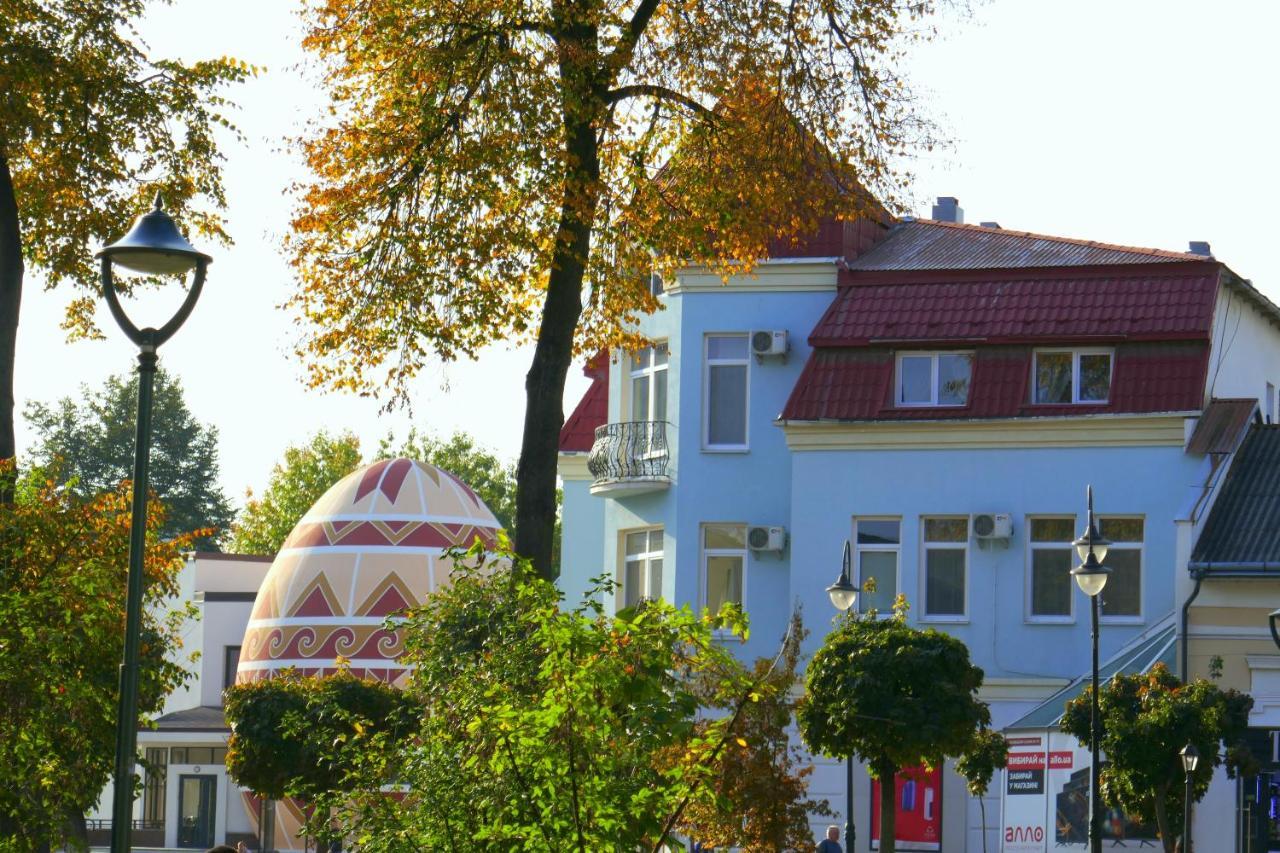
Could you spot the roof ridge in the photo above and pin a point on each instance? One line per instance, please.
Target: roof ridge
(1074, 241)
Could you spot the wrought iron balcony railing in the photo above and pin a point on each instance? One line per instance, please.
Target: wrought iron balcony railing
(629, 454)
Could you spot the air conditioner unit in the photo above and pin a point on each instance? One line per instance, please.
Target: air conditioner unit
(766, 538)
(764, 343)
(992, 525)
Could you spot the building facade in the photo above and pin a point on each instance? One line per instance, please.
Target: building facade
(939, 395)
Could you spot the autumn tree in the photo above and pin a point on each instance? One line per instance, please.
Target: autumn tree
(91, 124)
(304, 474)
(512, 170)
(896, 697)
(62, 568)
(1145, 719)
(89, 443)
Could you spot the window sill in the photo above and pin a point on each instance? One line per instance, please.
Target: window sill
(945, 620)
(742, 448)
(1121, 620)
(1049, 620)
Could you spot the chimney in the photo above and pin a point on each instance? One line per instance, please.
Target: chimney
(1200, 247)
(948, 209)
(995, 225)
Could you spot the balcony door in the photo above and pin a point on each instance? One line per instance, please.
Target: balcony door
(649, 384)
(197, 807)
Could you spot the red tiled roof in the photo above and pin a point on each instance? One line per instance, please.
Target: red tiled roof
(1165, 302)
(856, 384)
(925, 244)
(579, 430)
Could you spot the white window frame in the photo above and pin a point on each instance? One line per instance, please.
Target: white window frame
(933, 356)
(925, 547)
(742, 552)
(1141, 548)
(645, 557)
(650, 371)
(859, 549)
(1032, 547)
(707, 364)
(1075, 354)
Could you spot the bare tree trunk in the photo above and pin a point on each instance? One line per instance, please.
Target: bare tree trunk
(544, 384)
(1162, 821)
(11, 269)
(888, 808)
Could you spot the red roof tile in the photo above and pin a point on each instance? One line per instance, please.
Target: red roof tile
(856, 384)
(1167, 302)
(579, 430)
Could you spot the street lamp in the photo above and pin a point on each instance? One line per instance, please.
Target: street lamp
(843, 594)
(153, 246)
(1091, 577)
(1190, 758)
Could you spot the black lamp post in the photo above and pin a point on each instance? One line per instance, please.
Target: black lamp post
(1190, 758)
(843, 594)
(152, 247)
(1091, 576)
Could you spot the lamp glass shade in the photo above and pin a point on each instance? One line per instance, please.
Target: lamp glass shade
(1274, 620)
(1099, 549)
(1190, 758)
(1091, 576)
(154, 246)
(843, 594)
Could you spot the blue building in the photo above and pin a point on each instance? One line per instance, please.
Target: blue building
(939, 394)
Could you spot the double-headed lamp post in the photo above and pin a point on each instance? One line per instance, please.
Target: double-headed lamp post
(843, 594)
(1091, 576)
(152, 247)
(1190, 758)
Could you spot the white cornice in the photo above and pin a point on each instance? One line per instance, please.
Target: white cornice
(1164, 430)
(573, 466)
(785, 275)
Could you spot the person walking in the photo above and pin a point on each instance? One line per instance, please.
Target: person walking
(831, 844)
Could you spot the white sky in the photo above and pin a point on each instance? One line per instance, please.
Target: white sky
(1141, 123)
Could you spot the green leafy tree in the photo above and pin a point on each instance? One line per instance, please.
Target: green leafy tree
(296, 483)
(90, 442)
(502, 170)
(63, 564)
(1144, 721)
(896, 697)
(91, 125)
(539, 728)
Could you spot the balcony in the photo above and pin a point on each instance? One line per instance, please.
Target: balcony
(630, 458)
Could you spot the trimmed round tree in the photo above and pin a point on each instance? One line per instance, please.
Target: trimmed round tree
(895, 697)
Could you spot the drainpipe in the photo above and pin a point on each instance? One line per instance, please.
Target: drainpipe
(1198, 576)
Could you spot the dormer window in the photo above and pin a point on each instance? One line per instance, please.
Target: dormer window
(1072, 376)
(934, 378)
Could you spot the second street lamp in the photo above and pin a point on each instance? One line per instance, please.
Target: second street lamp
(152, 247)
(1091, 576)
(843, 594)
(1190, 758)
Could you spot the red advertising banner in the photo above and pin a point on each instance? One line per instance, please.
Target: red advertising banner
(918, 794)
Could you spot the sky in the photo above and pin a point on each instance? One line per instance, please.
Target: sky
(1139, 123)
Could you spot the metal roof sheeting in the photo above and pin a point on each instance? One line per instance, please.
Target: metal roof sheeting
(926, 244)
(1244, 524)
(1221, 426)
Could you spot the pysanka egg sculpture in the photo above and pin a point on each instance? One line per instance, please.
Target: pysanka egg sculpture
(373, 545)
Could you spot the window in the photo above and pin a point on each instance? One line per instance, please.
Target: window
(934, 379)
(1122, 596)
(209, 755)
(1052, 556)
(724, 383)
(641, 566)
(153, 787)
(877, 544)
(946, 552)
(724, 563)
(649, 384)
(230, 663)
(1072, 376)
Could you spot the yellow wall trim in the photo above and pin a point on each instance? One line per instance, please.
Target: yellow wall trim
(1097, 431)
(803, 276)
(573, 466)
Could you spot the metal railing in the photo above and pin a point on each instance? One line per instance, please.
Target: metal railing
(630, 450)
(105, 823)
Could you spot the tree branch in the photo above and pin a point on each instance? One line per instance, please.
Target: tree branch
(662, 93)
(621, 56)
